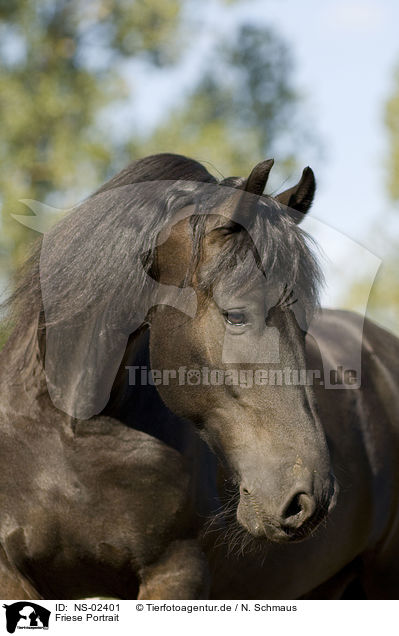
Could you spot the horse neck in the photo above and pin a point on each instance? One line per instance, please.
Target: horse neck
(139, 405)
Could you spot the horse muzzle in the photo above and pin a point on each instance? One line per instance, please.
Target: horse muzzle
(295, 520)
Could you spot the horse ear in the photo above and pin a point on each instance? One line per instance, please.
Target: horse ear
(257, 180)
(299, 198)
(253, 185)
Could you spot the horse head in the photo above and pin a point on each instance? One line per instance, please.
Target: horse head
(235, 367)
(226, 281)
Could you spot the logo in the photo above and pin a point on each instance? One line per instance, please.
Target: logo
(26, 615)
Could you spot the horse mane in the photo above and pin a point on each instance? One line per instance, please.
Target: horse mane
(97, 257)
(88, 287)
(83, 244)
(274, 245)
(160, 167)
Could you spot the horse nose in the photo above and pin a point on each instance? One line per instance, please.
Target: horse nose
(299, 509)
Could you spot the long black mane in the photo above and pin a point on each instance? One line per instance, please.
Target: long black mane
(90, 253)
(94, 247)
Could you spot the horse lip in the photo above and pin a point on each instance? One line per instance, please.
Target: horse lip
(295, 535)
(285, 534)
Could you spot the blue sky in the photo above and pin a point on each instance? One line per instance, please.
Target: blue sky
(346, 53)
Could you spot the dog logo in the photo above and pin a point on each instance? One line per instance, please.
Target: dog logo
(26, 615)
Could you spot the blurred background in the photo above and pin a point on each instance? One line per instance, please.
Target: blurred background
(86, 87)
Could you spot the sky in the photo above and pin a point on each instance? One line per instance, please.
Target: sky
(345, 54)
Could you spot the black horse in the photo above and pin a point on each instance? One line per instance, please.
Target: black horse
(106, 484)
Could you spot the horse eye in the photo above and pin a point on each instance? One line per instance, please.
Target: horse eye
(236, 318)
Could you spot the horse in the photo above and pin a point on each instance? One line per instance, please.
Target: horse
(116, 470)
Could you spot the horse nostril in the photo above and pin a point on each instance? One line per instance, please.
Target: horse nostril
(245, 491)
(299, 509)
(294, 507)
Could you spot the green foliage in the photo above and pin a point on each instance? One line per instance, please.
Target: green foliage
(392, 123)
(383, 304)
(58, 71)
(143, 27)
(63, 66)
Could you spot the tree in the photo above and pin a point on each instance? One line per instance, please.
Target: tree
(63, 65)
(392, 124)
(59, 69)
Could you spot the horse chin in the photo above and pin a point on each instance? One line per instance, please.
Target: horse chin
(275, 534)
